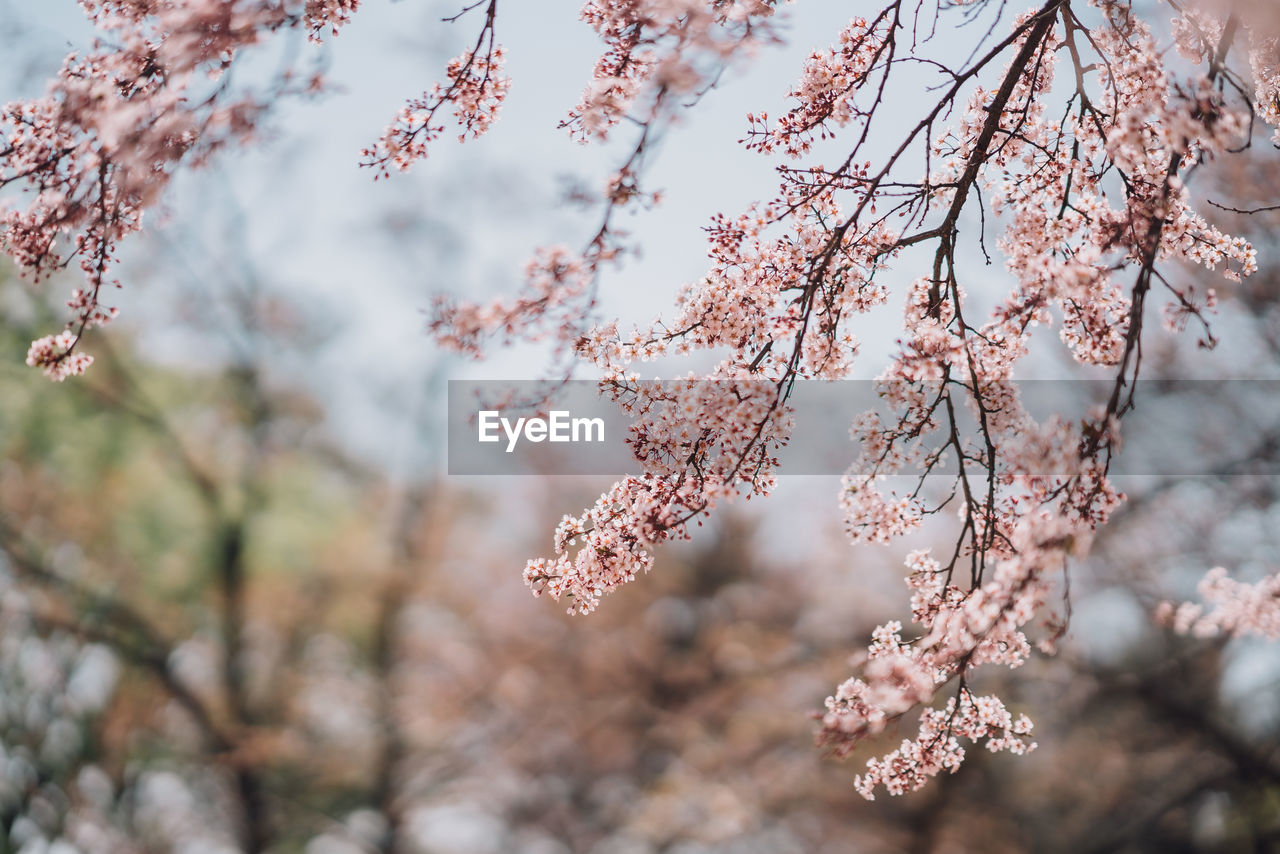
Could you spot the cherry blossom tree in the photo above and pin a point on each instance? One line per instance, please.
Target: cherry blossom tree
(1072, 126)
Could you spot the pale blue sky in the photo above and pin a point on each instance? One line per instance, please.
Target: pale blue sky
(317, 225)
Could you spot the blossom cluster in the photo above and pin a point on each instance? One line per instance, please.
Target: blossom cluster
(1066, 242)
(788, 276)
(330, 14)
(826, 90)
(661, 47)
(91, 156)
(691, 464)
(937, 745)
(1235, 608)
(555, 278)
(476, 90)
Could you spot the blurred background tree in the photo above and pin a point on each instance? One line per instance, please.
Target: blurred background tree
(221, 632)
